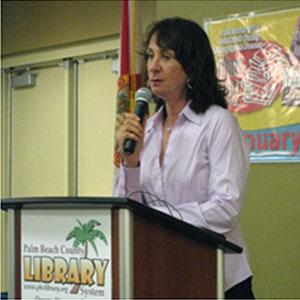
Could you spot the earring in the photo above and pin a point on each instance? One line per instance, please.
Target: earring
(188, 84)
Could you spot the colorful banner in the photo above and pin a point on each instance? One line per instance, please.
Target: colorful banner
(66, 254)
(258, 57)
(130, 63)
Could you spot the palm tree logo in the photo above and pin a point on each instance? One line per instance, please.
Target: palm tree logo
(82, 235)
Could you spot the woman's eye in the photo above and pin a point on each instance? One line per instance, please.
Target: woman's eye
(148, 56)
(168, 55)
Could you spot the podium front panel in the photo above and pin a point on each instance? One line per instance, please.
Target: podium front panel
(171, 265)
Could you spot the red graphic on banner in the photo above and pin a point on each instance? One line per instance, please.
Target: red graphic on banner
(256, 77)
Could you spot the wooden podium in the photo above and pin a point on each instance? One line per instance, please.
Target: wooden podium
(153, 255)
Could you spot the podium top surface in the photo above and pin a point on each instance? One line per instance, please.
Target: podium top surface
(202, 234)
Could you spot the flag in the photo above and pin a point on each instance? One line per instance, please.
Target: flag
(130, 62)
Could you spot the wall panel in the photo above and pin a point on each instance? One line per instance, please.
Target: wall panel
(97, 104)
(39, 144)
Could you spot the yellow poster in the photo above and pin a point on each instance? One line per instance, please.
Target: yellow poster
(258, 58)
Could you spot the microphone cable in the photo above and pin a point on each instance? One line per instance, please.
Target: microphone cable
(156, 199)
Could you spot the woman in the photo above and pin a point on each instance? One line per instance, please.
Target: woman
(191, 153)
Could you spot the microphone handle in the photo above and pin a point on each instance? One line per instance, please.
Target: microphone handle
(129, 146)
(141, 109)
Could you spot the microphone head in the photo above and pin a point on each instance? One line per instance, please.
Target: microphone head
(143, 94)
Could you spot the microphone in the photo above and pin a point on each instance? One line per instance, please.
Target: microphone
(142, 97)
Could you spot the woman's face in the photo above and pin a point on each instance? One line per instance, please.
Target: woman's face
(167, 77)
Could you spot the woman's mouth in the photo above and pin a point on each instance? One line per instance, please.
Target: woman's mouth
(156, 82)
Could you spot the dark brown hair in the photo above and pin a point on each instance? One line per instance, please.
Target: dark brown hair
(193, 51)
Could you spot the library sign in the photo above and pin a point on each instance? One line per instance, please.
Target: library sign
(66, 254)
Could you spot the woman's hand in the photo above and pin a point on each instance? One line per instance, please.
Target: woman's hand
(131, 129)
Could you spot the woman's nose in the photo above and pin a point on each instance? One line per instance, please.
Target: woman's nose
(154, 64)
